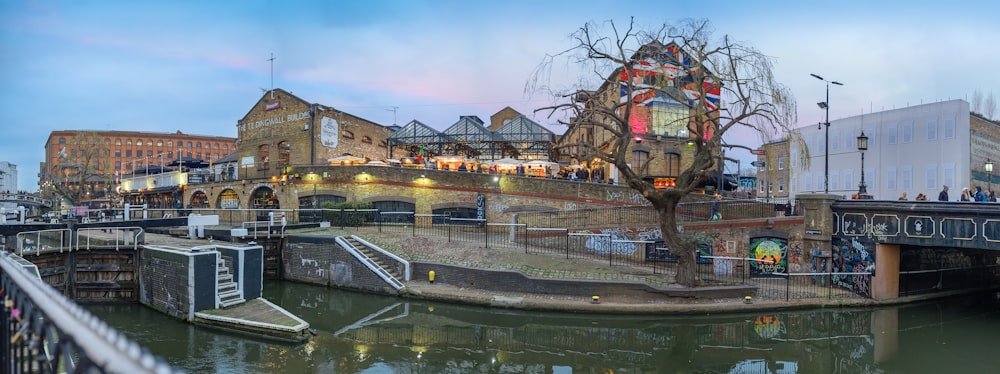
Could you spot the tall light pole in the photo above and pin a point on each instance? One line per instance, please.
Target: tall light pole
(989, 176)
(862, 146)
(826, 149)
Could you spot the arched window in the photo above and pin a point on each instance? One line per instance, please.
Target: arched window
(118, 141)
(197, 145)
(159, 143)
(284, 153)
(128, 142)
(62, 140)
(170, 143)
(138, 142)
(189, 144)
(264, 155)
(672, 164)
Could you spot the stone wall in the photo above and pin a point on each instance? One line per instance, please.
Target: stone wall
(164, 282)
(319, 260)
(510, 281)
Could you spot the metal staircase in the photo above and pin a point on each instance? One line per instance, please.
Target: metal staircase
(228, 291)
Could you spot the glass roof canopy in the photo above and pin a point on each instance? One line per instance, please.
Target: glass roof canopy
(519, 138)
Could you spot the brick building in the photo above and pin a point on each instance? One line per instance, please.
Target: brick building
(82, 164)
(663, 121)
(282, 130)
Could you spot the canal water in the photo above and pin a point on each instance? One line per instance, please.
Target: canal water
(361, 333)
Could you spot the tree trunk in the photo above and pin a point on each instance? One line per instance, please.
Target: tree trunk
(684, 250)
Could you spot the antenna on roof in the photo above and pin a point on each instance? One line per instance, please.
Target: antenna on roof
(393, 110)
(272, 74)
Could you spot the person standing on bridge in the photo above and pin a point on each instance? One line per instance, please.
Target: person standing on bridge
(716, 215)
(979, 196)
(943, 195)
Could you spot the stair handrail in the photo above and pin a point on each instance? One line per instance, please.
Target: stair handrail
(369, 263)
(406, 264)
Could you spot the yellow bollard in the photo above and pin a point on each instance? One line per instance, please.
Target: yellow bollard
(430, 276)
(595, 299)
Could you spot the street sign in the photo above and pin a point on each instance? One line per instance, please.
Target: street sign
(758, 152)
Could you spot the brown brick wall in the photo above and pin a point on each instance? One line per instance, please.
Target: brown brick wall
(289, 120)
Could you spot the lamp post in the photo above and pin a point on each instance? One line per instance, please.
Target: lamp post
(989, 176)
(862, 146)
(826, 149)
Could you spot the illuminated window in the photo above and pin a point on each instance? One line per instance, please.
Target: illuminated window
(264, 155)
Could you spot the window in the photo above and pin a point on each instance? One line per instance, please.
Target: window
(849, 179)
(197, 145)
(264, 155)
(118, 165)
(907, 177)
(118, 153)
(225, 147)
(128, 142)
(189, 144)
(673, 164)
(365, 139)
(159, 143)
(781, 184)
(890, 134)
(949, 127)
(890, 178)
(835, 141)
(347, 134)
(809, 185)
(872, 134)
(118, 141)
(931, 129)
(149, 153)
(170, 143)
(107, 141)
(62, 140)
(781, 163)
(639, 158)
(948, 174)
(138, 142)
(907, 130)
(216, 145)
(149, 143)
(834, 180)
(170, 155)
(284, 153)
(931, 177)
(128, 153)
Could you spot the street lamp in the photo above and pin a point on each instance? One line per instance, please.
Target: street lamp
(862, 146)
(989, 176)
(826, 149)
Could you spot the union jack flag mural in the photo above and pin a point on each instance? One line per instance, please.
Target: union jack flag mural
(652, 78)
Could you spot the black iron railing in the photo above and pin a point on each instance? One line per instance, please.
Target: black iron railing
(45, 332)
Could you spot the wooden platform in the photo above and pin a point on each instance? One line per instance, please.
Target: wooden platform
(257, 317)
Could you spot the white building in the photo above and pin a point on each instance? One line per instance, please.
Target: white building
(916, 150)
(8, 176)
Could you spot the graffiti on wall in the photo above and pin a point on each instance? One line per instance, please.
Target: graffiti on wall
(853, 255)
(614, 241)
(769, 255)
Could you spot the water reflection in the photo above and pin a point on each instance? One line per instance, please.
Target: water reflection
(372, 334)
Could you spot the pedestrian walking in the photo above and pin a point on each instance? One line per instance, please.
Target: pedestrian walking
(943, 195)
(716, 215)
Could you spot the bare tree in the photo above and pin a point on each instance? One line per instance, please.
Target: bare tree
(719, 83)
(990, 107)
(976, 106)
(83, 168)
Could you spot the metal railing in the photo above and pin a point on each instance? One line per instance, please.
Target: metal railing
(45, 332)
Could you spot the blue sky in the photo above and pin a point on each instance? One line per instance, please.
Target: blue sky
(198, 66)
